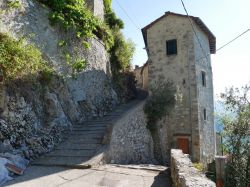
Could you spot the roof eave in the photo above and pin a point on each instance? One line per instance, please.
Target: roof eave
(198, 21)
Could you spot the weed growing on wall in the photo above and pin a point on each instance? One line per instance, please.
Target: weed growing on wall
(160, 103)
(13, 4)
(73, 14)
(18, 59)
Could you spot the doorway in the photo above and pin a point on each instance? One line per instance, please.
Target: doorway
(183, 144)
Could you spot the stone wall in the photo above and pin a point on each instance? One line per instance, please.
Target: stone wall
(138, 76)
(130, 140)
(145, 77)
(90, 91)
(141, 76)
(205, 98)
(183, 173)
(34, 116)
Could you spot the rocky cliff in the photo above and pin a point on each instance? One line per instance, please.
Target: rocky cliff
(35, 114)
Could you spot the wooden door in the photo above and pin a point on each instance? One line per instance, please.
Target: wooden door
(183, 144)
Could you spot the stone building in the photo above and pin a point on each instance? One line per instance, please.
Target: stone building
(138, 76)
(141, 76)
(175, 54)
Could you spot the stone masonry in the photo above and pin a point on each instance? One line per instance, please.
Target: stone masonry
(184, 174)
(129, 140)
(40, 114)
(97, 7)
(191, 119)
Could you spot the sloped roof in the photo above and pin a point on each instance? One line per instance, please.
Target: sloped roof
(197, 21)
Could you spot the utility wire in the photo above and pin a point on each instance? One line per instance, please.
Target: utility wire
(194, 29)
(206, 55)
(132, 21)
(233, 40)
(227, 43)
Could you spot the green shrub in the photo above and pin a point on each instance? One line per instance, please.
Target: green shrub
(160, 103)
(121, 53)
(198, 166)
(110, 16)
(79, 65)
(18, 59)
(124, 85)
(13, 4)
(46, 75)
(113, 21)
(73, 14)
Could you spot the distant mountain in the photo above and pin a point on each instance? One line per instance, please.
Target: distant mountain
(219, 109)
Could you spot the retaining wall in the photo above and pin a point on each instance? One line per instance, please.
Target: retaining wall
(184, 174)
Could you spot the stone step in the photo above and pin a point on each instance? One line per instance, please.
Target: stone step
(89, 128)
(71, 153)
(86, 133)
(76, 162)
(101, 121)
(85, 141)
(71, 145)
(82, 136)
(92, 125)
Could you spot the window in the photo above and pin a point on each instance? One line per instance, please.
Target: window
(171, 47)
(205, 114)
(203, 77)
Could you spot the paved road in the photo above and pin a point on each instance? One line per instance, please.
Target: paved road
(103, 176)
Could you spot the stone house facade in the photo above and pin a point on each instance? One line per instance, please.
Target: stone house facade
(176, 55)
(141, 76)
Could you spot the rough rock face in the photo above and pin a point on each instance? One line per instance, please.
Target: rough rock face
(21, 131)
(35, 116)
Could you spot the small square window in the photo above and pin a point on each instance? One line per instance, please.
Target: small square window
(203, 77)
(171, 47)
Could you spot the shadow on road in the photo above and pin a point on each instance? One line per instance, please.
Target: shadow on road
(164, 178)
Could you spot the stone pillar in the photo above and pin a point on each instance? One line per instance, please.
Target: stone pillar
(220, 170)
(97, 7)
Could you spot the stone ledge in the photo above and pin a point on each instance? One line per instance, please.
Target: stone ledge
(184, 174)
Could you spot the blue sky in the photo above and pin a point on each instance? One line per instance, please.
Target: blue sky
(225, 18)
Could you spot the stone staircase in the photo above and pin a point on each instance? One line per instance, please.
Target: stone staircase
(83, 146)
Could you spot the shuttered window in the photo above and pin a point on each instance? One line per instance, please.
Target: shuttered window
(171, 47)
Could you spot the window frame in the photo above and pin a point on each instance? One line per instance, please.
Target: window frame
(205, 114)
(203, 79)
(169, 47)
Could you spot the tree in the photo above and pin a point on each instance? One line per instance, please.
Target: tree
(236, 135)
